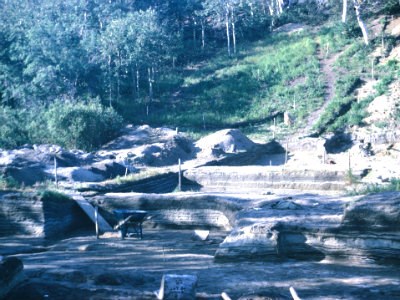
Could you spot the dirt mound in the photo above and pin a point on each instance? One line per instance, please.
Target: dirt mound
(224, 141)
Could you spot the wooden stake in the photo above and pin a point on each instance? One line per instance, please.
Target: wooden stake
(96, 219)
(372, 69)
(180, 176)
(286, 154)
(294, 294)
(55, 171)
(349, 161)
(273, 132)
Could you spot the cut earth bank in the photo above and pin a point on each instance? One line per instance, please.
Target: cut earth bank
(304, 240)
(261, 240)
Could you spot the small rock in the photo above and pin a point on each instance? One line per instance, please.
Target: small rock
(201, 234)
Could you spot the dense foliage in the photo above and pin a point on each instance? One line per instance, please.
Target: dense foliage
(138, 58)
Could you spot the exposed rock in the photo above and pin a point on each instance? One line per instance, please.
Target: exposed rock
(368, 228)
(11, 274)
(46, 216)
(249, 242)
(260, 178)
(179, 210)
(377, 212)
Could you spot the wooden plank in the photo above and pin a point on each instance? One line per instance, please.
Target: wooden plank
(89, 210)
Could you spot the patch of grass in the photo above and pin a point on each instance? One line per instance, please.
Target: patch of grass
(392, 186)
(7, 182)
(387, 73)
(279, 73)
(52, 195)
(146, 173)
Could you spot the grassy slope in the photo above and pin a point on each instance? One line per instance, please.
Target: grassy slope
(281, 73)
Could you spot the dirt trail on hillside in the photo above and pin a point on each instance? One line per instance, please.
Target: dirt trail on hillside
(326, 66)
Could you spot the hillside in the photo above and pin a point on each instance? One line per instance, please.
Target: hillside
(271, 72)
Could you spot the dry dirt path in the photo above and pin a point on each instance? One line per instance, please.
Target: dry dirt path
(326, 66)
(81, 267)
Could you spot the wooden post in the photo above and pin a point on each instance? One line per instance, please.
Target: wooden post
(287, 150)
(372, 69)
(55, 171)
(349, 162)
(180, 176)
(327, 50)
(273, 129)
(96, 218)
(294, 294)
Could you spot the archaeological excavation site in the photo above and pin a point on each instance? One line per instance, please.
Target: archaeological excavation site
(154, 215)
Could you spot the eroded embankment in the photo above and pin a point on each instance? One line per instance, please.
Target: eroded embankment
(261, 178)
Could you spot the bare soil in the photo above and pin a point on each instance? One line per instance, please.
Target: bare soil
(83, 267)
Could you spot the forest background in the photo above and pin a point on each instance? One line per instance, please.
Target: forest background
(74, 72)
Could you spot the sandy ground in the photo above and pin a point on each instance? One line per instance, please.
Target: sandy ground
(83, 267)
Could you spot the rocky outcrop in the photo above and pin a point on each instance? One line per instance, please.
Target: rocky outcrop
(50, 215)
(305, 229)
(178, 210)
(11, 274)
(261, 178)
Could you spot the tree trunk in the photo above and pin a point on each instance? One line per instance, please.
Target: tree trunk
(228, 39)
(344, 12)
(194, 33)
(150, 78)
(109, 79)
(280, 6)
(202, 35)
(133, 84)
(233, 30)
(137, 82)
(363, 28)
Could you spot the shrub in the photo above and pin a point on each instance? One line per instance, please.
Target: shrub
(80, 125)
(7, 182)
(12, 131)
